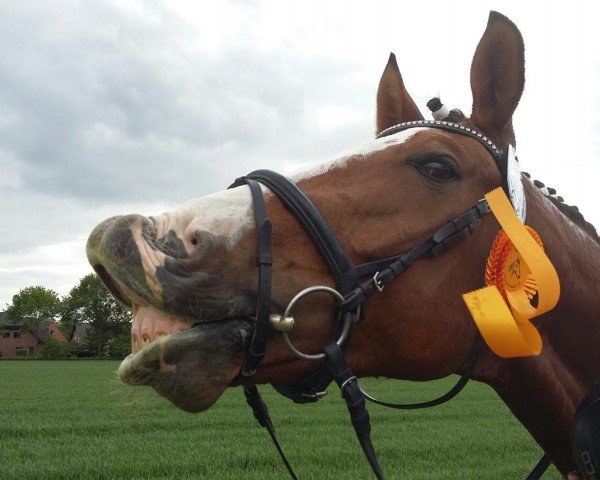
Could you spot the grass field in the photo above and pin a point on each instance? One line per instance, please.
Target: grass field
(75, 420)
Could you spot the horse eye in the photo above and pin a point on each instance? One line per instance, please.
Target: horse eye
(439, 169)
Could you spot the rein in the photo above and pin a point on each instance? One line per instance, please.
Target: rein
(353, 285)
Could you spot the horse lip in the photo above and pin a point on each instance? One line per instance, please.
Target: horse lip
(119, 289)
(191, 368)
(113, 249)
(248, 318)
(129, 290)
(160, 344)
(114, 287)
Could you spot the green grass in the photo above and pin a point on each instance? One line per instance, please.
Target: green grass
(75, 420)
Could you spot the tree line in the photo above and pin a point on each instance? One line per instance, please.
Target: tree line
(90, 303)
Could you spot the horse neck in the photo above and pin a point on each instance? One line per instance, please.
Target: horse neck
(544, 392)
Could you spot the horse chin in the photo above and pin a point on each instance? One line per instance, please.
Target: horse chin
(191, 368)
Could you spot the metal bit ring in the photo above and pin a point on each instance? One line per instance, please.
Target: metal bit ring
(339, 298)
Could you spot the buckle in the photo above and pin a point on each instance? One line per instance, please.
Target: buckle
(346, 383)
(379, 285)
(314, 396)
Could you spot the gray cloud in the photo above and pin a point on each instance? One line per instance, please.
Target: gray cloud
(119, 109)
(100, 106)
(110, 108)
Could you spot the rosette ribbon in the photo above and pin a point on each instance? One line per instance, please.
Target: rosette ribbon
(503, 314)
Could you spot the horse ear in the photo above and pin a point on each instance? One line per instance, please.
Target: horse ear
(394, 104)
(497, 77)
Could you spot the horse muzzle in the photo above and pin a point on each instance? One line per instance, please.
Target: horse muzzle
(140, 269)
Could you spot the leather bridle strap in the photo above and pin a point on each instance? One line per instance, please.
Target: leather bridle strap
(261, 413)
(310, 218)
(346, 277)
(387, 270)
(355, 401)
(539, 468)
(264, 261)
(449, 395)
(346, 280)
(256, 350)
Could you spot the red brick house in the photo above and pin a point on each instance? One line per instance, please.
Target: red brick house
(15, 341)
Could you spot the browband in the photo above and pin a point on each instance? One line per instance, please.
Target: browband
(444, 125)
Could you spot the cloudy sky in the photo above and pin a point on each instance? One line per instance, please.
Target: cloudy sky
(111, 107)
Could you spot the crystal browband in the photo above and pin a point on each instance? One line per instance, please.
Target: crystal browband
(444, 125)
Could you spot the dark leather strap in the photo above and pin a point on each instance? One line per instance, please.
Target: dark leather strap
(449, 395)
(539, 469)
(336, 363)
(309, 388)
(310, 218)
(388, 269)
(256, 350)
(261, 413)
(586, 434)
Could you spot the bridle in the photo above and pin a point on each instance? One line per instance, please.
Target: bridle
(353, 285)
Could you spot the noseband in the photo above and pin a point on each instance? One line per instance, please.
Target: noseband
(353, 285)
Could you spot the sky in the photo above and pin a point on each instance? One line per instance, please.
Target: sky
(116, 107)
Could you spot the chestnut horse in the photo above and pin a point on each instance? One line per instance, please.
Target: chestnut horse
(196, 267)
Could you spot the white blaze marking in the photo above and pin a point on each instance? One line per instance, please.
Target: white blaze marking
(229, 213)
(362, 151)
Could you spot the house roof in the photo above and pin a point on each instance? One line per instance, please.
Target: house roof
(5, 322)
(42, 331)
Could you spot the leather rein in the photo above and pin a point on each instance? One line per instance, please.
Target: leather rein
(353, 285)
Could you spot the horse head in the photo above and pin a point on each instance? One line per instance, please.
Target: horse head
(190, 275)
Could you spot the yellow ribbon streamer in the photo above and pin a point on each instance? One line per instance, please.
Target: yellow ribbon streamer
(508, 332)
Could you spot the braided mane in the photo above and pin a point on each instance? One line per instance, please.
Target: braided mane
(440, 112)
(569, 211)
(573, 214)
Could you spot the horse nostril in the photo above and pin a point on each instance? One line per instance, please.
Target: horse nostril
(197, 237)
(200, 242)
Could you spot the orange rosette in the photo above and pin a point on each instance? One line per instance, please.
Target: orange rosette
(517, 270)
